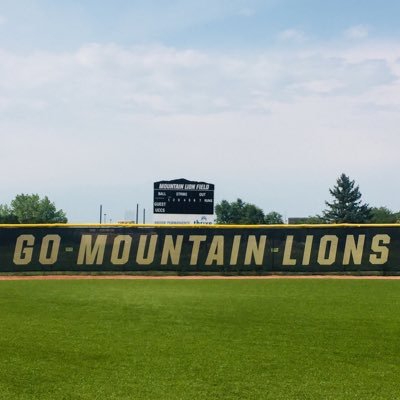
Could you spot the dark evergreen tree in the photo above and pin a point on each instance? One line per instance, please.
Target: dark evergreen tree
(347, 206)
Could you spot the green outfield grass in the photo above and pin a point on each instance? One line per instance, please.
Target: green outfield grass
(269, 339)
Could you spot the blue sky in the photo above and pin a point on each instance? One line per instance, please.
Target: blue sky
(270, 100)
(207, 24)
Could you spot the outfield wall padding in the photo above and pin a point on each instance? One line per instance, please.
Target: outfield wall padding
(258, 249)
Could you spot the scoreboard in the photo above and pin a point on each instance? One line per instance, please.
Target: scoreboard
(183, 201)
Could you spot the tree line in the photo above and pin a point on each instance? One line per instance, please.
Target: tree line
(346, 206)
(31, 209)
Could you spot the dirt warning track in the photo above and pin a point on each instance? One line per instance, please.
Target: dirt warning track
(188, 277)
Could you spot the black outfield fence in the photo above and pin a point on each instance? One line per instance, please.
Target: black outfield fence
(201, 248)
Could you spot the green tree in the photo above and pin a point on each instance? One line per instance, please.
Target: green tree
(228, 213)
(273, 217)
(347, 206)
(6, 215)
(382, 215)
(238, 212)
(31, 209)
(312, 219)
(315, 219)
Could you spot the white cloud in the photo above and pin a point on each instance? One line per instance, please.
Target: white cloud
(106, 114)
(294, 35)
(357, 32)
(125, 81)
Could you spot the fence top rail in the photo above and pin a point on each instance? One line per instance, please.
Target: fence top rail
(200, 226)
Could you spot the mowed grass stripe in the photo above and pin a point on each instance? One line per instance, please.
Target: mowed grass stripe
(272, 339)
